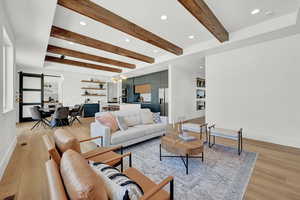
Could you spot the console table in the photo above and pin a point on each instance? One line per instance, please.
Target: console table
(225, 133)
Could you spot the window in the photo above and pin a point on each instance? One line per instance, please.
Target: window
(8, 72)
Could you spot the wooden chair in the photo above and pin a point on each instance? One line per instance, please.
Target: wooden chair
(105, 155)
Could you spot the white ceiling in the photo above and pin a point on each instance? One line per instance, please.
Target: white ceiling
(31, 21)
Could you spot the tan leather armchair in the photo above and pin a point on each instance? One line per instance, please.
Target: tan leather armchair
(152, 190)
(100, 154)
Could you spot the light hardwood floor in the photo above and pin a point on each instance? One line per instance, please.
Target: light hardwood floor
(276, 174)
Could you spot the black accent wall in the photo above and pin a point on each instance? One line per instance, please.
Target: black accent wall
(156, 80)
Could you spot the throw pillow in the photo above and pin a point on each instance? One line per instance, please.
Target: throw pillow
(122, 123)
(108, 120)
(118, 185)
(146, 116)
(80, 180)
(156, 118)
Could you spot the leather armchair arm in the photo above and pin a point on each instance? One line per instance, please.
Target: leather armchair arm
(104, 151)
(159, 187)
(120, 157)
(92, 138)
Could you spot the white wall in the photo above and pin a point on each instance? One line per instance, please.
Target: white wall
(8, 119)
(257, 88)
(182, 91)
(71, 85)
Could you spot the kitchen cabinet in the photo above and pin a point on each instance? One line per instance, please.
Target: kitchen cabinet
(143, 89)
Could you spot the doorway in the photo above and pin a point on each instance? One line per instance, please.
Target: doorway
(31, 93)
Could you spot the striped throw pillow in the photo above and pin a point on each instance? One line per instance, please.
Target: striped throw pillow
(118, 185)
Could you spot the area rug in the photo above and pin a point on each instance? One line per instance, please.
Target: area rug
(222, 176)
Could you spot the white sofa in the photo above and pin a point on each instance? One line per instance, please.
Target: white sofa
(133, 135)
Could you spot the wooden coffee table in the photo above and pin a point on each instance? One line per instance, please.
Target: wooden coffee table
(184, 149)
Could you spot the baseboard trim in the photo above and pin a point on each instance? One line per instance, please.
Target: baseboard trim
(7, 156)
(273, 146)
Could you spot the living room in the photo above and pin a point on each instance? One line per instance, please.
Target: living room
(132, 100)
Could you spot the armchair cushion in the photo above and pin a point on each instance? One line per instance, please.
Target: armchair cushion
(80, 181)
(118, 185)
(108, 120)
(64, 140)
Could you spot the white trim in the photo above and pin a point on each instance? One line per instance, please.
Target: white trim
(6, 158)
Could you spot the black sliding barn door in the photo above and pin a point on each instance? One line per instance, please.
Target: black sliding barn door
(31, 93)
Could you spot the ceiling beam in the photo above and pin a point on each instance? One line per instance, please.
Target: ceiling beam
(85, 56)
(87, 41)
(100, 14)
(200, 10)
(81, 64)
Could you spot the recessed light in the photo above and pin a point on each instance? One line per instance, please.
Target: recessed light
(71, 42)
(201, 67)
(82, 23)
(164, 17)
(255, 11)
(155, 51)
(127, 40)
(191, 37)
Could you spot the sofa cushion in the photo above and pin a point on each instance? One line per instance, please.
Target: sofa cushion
(136, 132)
(129, 134)
(132, 117)
(122, 123)
(80, 181)
(109, 120)
(64, 140)
(118, 185)
(146, 116)
(153, 128)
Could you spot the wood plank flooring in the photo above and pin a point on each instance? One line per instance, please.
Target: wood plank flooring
(276, 174)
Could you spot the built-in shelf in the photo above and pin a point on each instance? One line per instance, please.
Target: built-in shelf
(95, 95)
(200, 94)
(201, 88)
(94, 81)
(91, 88)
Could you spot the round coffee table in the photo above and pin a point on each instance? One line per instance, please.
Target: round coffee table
(172, 143)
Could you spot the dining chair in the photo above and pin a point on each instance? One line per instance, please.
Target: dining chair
(37, 115)
(60, 117)
(75, 113)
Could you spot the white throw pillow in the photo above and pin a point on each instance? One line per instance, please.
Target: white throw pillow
(146, 116)
(117, 185)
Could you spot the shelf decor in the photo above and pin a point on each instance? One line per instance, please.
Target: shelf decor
(95, 85)
(200, 94)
